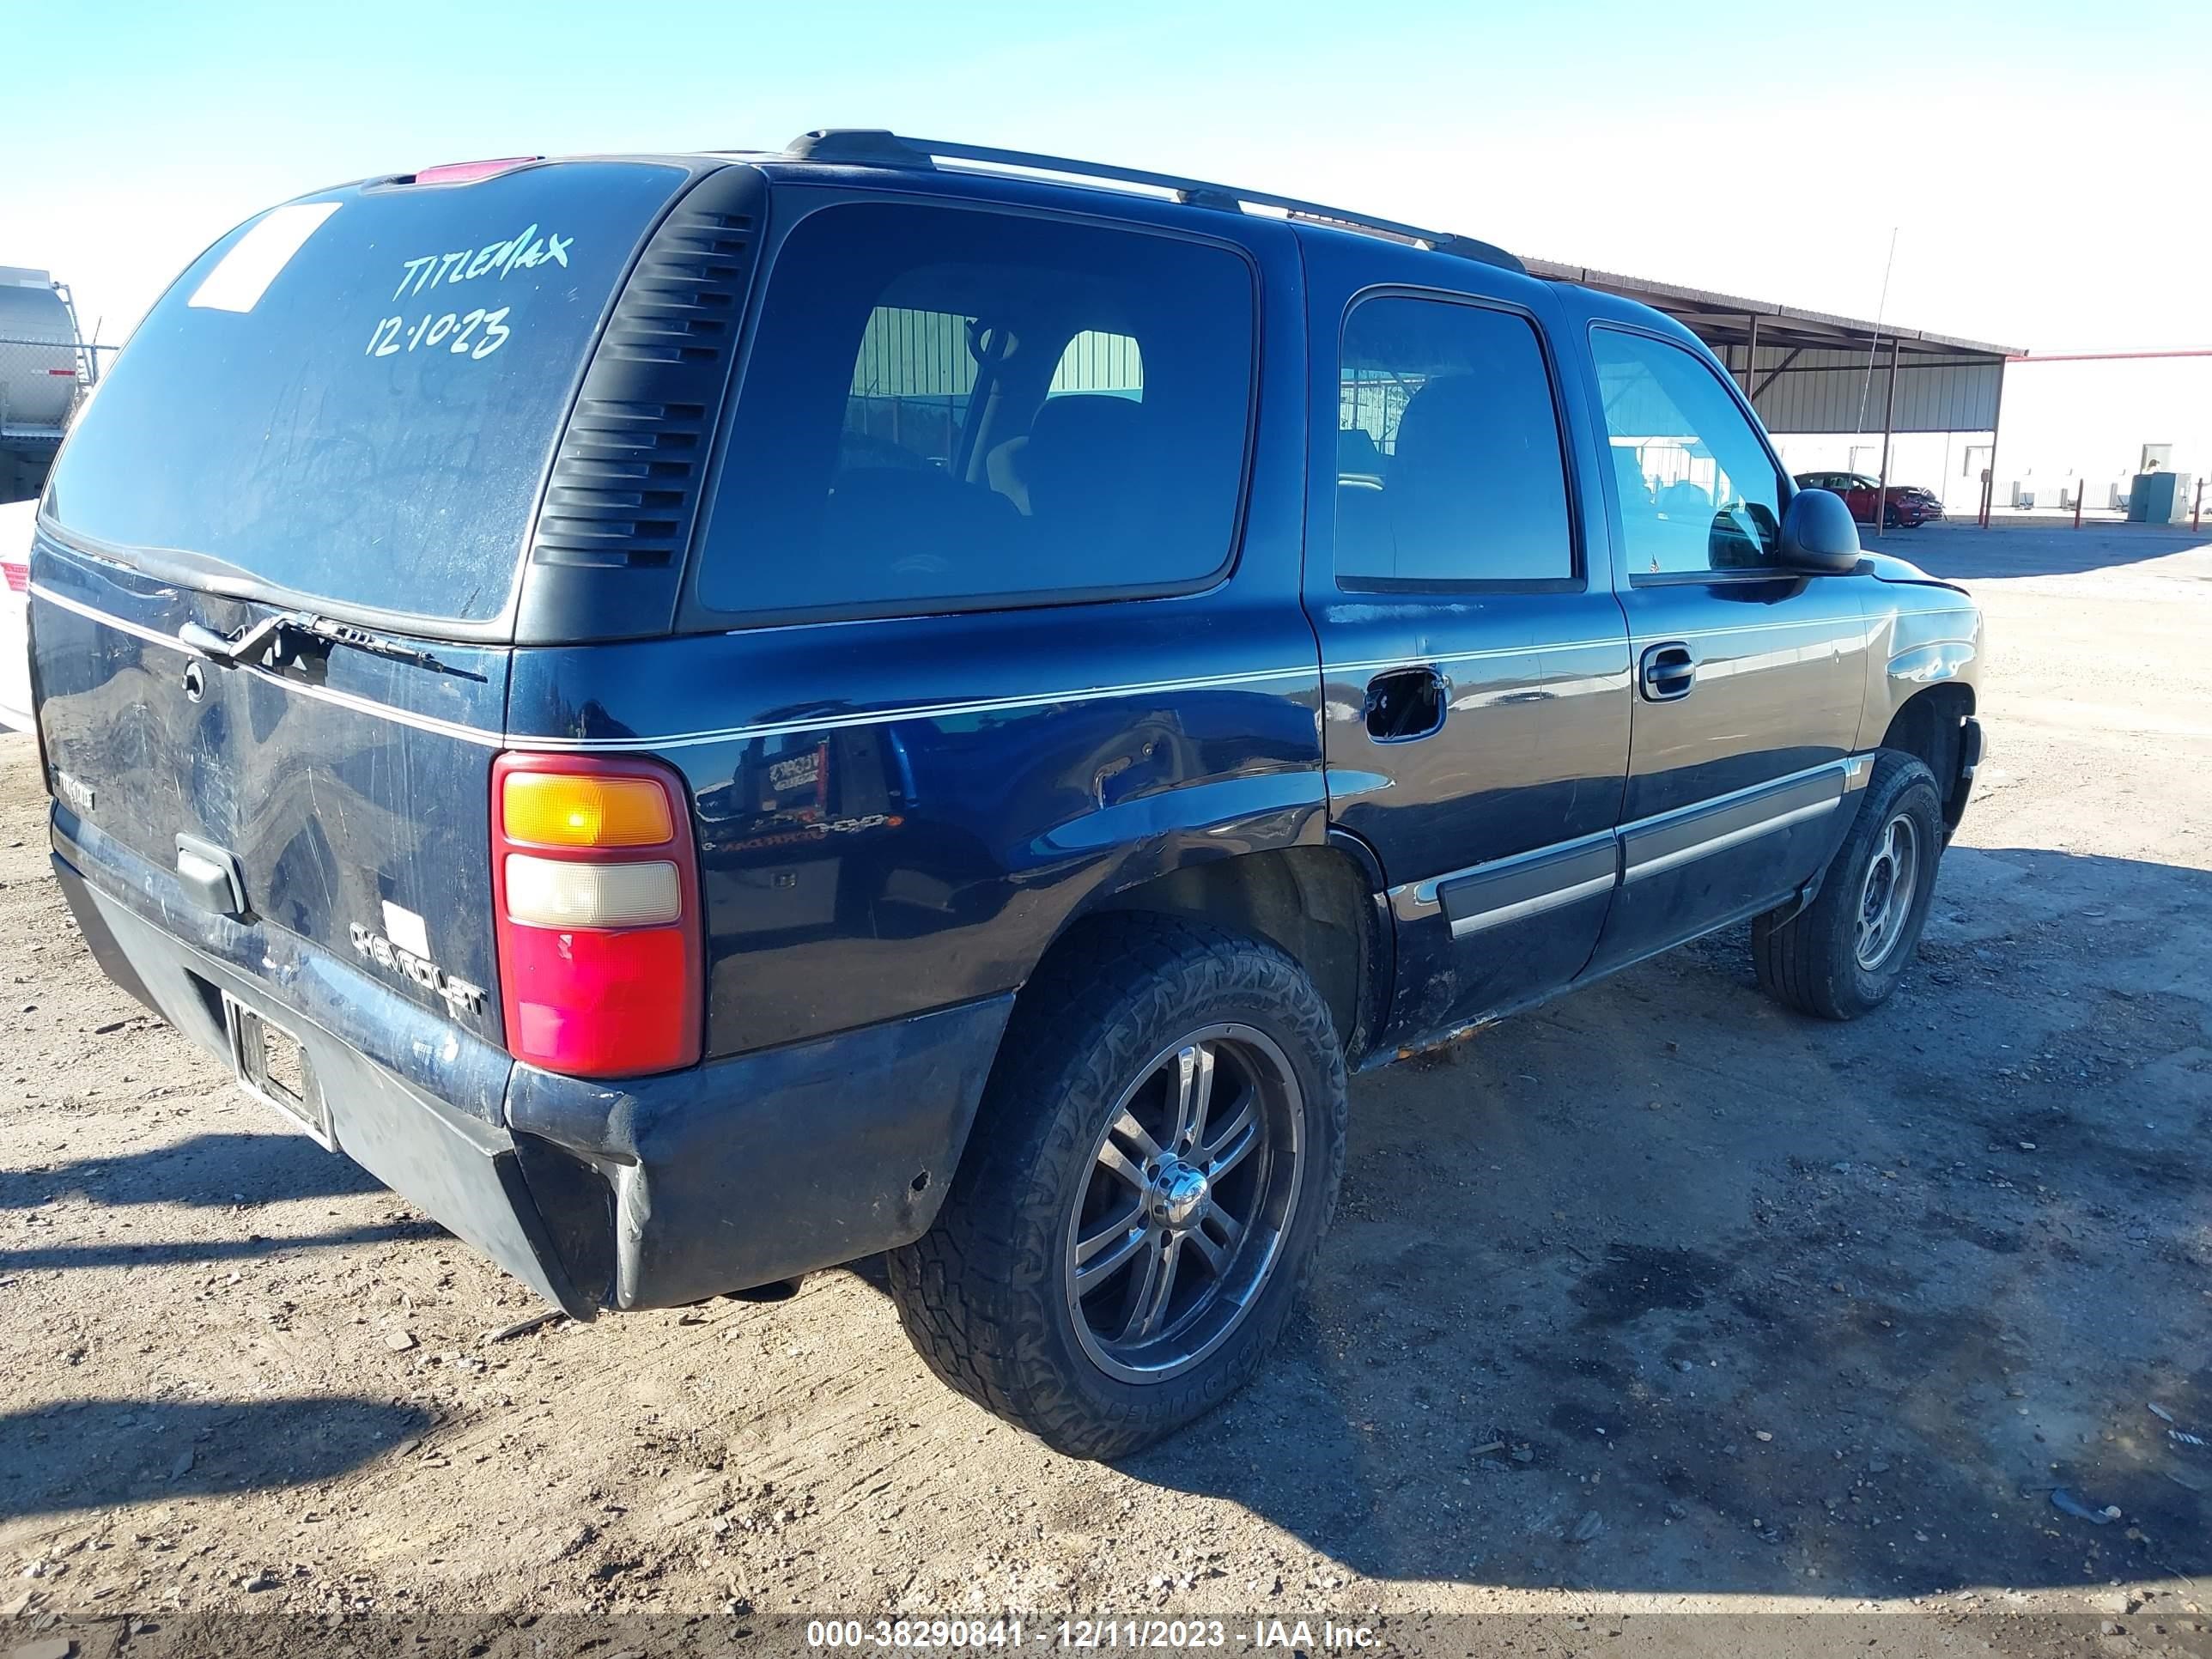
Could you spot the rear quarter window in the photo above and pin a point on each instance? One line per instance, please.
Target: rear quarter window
(355, 399)
(951, 408)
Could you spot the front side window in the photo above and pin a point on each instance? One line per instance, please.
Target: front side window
(948, 408)
(1448, 468)
(1698, 489)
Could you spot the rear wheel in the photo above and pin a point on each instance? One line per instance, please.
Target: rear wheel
(1156, 1158)
(1843, 954)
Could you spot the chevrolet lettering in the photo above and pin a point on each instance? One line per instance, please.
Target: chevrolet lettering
(458, 995)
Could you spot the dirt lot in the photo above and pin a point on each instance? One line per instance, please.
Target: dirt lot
(1647, 1317)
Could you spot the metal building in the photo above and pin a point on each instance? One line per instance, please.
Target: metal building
(1839, 393)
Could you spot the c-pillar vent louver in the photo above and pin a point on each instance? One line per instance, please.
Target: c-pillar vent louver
(625, 486)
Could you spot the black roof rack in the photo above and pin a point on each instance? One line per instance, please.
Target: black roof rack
(873, 146)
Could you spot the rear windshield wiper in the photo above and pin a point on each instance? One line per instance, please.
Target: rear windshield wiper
(276, 639)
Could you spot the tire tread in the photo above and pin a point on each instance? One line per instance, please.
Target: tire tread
(1804, 962)
(962, 1290)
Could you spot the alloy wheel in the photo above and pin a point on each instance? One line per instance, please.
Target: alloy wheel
(1892, 877)
(1183, 1207)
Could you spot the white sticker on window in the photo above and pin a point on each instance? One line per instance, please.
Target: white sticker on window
(242, 275)
(406, 930)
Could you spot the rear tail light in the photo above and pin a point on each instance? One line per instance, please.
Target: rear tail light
(596, 887)
(562, 893)
(18, 576)
(576, 809)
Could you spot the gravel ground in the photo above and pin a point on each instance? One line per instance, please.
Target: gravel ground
(1649, 1320)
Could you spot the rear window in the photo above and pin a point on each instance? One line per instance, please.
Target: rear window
(355, 399)
(951, 408)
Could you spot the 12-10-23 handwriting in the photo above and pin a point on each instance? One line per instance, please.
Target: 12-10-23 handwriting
(457, 332)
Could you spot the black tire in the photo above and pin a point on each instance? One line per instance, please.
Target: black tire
(990, 1296)
(1814, 961)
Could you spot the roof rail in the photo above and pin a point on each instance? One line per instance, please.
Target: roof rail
(873, 146)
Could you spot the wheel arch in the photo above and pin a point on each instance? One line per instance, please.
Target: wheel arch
(1320, 905)
(1928, 725)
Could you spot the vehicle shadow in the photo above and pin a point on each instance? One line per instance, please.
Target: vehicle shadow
(205, 1169)
(223, 1169)
(1664, 1287)
(244, 1246)
(92, 1453)
(1961, 552)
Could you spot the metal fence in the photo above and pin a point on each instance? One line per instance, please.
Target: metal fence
(2175, 499)
(42, 382)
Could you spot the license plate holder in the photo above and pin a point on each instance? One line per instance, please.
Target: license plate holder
(271, 1065)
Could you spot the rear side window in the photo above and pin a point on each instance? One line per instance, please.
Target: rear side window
(1448, 459)
(948, 408)
(355, 399)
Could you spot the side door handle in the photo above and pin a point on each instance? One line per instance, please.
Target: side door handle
(1405, 703)
(1666, 672)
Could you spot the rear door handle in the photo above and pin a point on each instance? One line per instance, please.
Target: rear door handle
(1667, 672)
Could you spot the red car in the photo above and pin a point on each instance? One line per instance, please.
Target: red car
(1908, 505)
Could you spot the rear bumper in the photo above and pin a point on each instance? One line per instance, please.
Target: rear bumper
(460, 1165)
(648, 1193)
(748, 1170)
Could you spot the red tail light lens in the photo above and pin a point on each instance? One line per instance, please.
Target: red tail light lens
(596, 886)
(18, 576)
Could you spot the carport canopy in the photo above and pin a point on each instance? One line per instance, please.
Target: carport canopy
(1810, 372)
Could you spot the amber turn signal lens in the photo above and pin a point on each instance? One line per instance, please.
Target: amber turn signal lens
(571, 809)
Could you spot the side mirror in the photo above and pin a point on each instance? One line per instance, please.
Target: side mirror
(1818, 534)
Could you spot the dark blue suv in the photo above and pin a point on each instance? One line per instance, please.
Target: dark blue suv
(708, 716)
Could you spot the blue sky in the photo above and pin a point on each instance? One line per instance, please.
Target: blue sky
(2024, 150)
